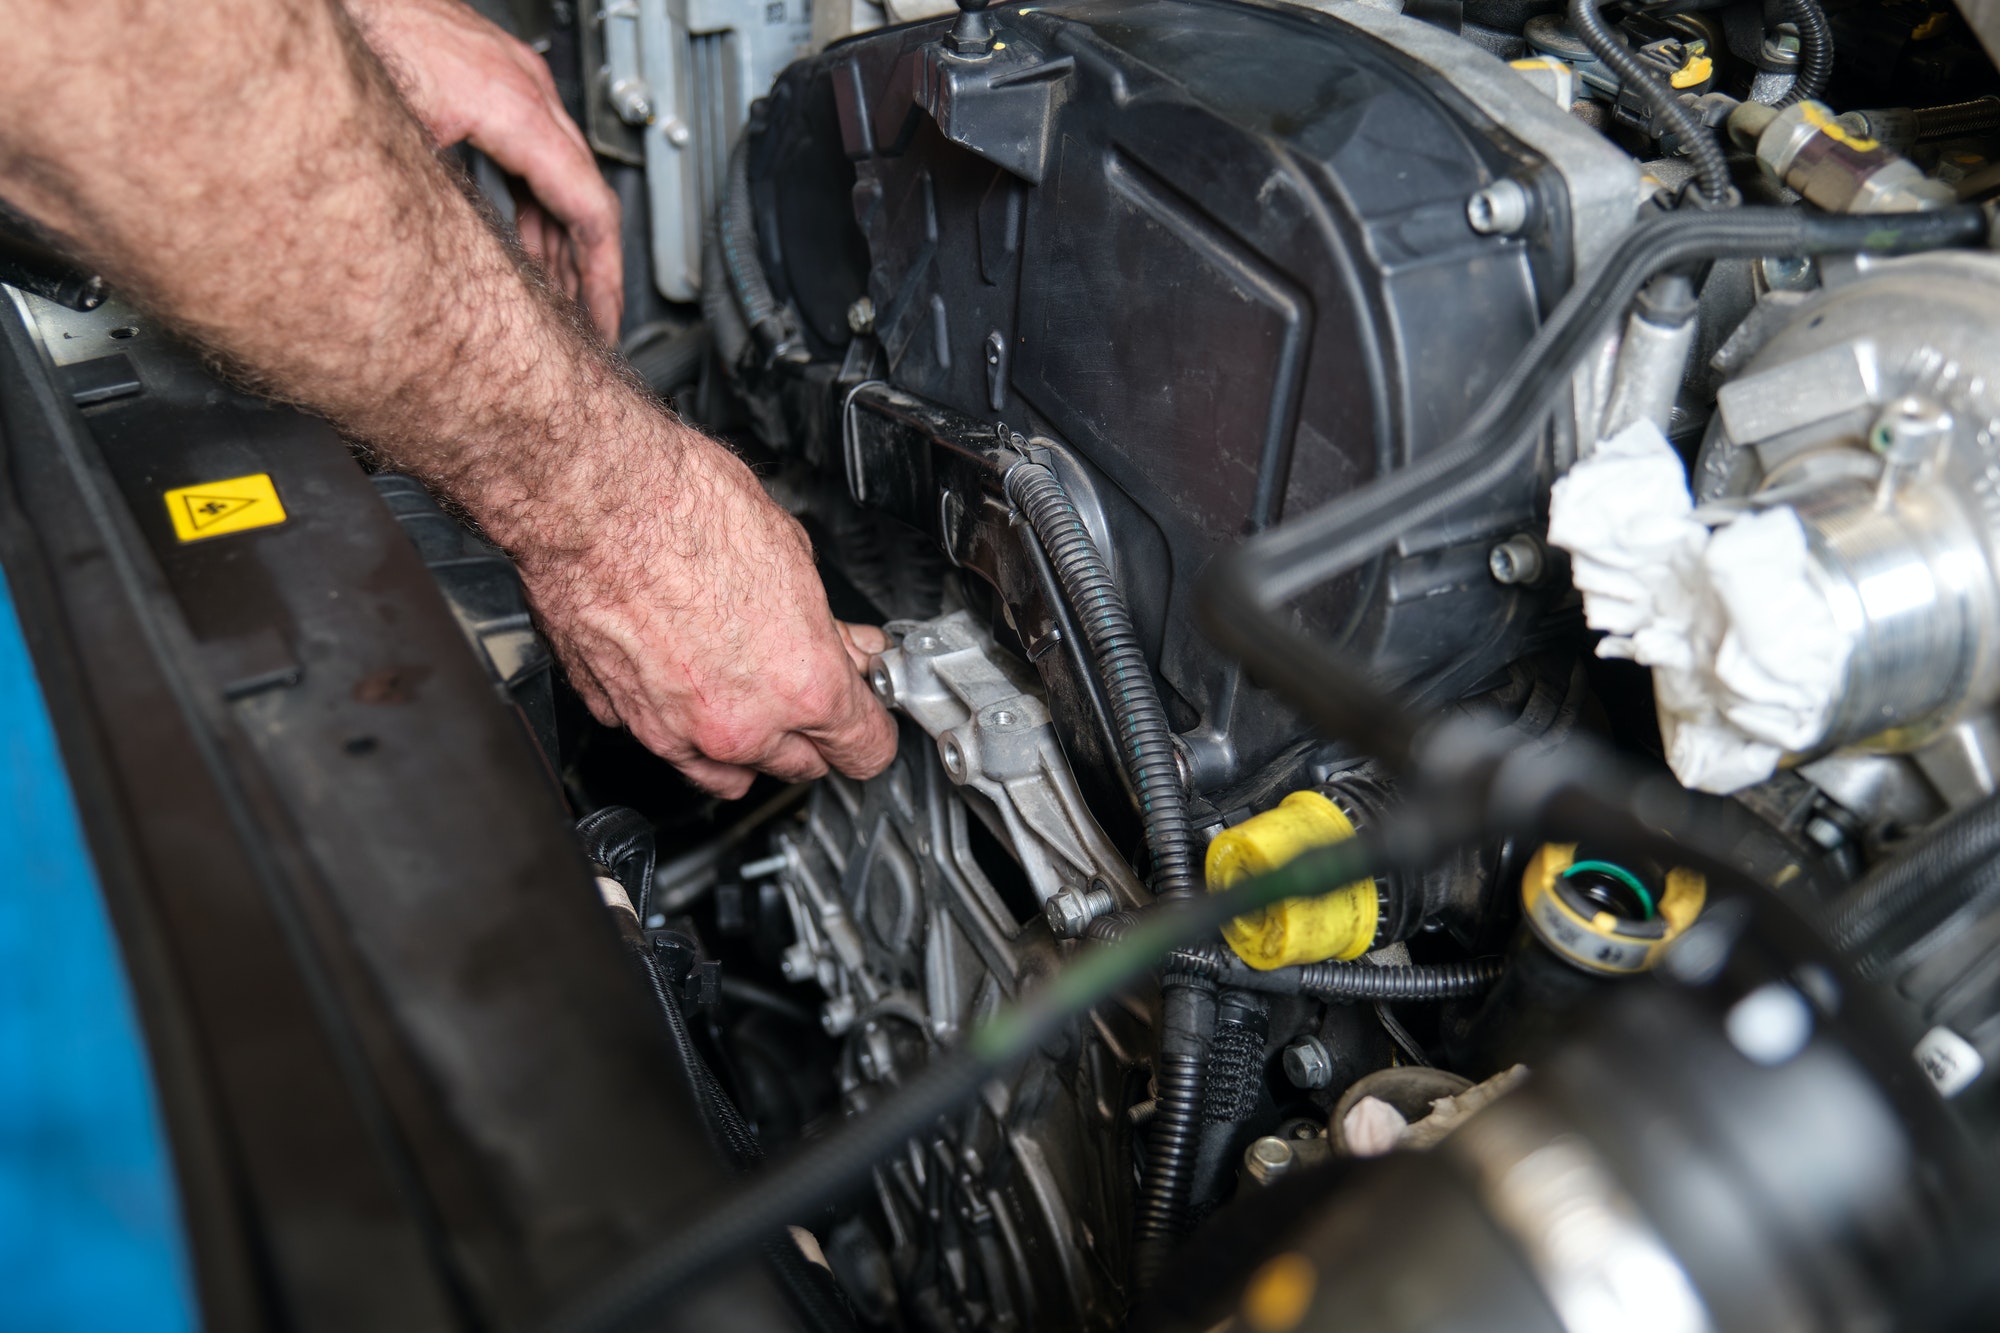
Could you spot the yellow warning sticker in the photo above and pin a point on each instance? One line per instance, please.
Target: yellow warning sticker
(219, 507)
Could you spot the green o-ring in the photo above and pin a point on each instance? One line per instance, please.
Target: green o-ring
(1623, 876)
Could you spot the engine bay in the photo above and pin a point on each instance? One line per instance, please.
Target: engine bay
(1041, 313)
(1441, 561)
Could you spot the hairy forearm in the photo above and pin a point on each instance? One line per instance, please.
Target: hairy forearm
(246, 169)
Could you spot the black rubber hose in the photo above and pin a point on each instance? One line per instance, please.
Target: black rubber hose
(1711, 169)
(1957, 120)
(1187, 1003)
(1136, 712)
(1187, 1019)
(736, 230)
(620, 839)
(1954, 865)
(718, 303)
(1815, 52)
(1244, 590)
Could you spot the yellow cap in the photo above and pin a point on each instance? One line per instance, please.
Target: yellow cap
(1340, 924)
(1602, 942)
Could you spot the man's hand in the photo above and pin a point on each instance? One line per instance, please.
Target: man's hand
(695, 617)
(246, 170)
(470, 82)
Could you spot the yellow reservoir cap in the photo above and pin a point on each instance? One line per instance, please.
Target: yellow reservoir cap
(1340, 924)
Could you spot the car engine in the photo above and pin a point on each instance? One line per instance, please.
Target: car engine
(1261, 427)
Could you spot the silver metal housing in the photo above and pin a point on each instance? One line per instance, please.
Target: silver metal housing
(1872, 413)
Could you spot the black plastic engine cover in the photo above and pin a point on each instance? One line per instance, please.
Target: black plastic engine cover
(1218, 252)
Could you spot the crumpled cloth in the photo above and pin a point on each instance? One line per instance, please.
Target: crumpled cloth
(1748, 661)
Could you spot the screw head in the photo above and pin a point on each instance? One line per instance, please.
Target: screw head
(1501, 209)
(1516, 560)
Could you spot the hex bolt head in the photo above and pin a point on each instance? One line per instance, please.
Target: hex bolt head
(1501, 209)
(1307, 1064)
(1517, 560)
(1067, 915)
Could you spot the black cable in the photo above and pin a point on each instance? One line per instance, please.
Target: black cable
(1243, 590)
(1330, 980)
(1187, 1003)
(1187, 1022)
(1137, 714)
(1815, 52)
(810, 1288)
(1335, 980)
(736, 233)
(1711, 169)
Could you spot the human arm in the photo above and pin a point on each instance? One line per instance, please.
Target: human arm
(246, 170)
(469, 82)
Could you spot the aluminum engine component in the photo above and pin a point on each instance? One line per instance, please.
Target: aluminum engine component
(1872, 415)
(918, 900)
(679, 76)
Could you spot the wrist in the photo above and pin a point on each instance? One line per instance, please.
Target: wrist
(630, 495)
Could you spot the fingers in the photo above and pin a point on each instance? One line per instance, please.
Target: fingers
(729, 781)
(858, 737)
(862, 643)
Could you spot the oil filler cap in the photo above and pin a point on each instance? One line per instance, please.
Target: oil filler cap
(1605, 916)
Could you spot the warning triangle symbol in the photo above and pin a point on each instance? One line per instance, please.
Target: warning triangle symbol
(207, 510)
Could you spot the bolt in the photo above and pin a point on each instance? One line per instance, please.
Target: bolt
(797, 962)
(1825, 832)
(1070, 911)
(769, 865)
(677, 132)
(837, 1015)
(1307, 1064)
(632, 100)
(1268, 1158)
(861, 316)
(1910, 430)
(1501, 209)
(1516, 560)
(1789, 273)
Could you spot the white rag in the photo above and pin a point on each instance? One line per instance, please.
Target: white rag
(1747, 658)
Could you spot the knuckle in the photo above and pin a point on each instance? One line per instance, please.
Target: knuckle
(729, 740)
